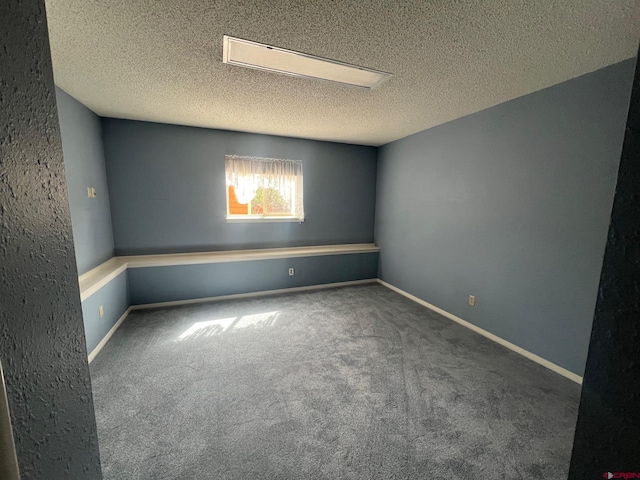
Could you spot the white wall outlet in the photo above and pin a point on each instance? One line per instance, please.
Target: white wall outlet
(291, 271)
(472, 300)
(91, 192)
(101, 311)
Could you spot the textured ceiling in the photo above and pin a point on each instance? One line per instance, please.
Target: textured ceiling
(161, 60)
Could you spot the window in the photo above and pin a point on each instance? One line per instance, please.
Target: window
(263, 189)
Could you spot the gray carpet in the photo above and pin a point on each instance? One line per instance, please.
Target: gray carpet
(354, 383)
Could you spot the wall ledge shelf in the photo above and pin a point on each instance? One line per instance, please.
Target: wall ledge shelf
(98, 277)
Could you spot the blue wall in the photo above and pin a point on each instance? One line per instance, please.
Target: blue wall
(91, 217)
(512, 205)
(114, 297)
(183, 282)
(168, 191)
(84, 167)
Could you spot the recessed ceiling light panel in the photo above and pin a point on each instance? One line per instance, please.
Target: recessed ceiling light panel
(245, 53)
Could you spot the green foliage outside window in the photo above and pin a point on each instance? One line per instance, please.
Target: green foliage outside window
(273, 199)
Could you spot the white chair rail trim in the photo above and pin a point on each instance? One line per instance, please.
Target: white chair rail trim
(95, 279)
(525, 353)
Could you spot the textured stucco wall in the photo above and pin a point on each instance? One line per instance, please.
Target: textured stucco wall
(607, 438)
(42, 344)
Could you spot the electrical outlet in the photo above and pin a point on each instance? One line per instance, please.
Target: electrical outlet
(472, 300)
(291, 271)
(91, 192)
(101, 311)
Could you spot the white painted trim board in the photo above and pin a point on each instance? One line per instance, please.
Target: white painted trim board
(521, 351)
(525, 353)
(92, 284)
(108, 336)
(96, 278)
(163, 260)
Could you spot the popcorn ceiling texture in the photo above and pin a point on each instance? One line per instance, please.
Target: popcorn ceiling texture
(162, 60)
(42, 343)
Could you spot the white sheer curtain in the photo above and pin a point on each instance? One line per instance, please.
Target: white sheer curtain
(281, 177)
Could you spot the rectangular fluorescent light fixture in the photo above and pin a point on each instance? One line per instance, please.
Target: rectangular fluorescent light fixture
(245, 53)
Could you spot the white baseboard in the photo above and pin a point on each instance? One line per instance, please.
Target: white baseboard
(109, 334)
(525, 353)
(253, 294)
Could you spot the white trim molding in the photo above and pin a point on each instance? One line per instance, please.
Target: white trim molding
(108, 336)
(521, 351)
(525, 353)
(95, 279)
(98, 277)
(261, 219)
(245, 255)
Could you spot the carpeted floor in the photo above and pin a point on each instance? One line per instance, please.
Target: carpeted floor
(354, 383)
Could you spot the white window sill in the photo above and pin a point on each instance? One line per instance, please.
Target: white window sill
(260, 219)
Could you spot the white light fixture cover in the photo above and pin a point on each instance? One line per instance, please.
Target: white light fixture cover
(245, 53)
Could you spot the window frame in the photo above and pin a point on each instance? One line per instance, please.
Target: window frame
(262, 218)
